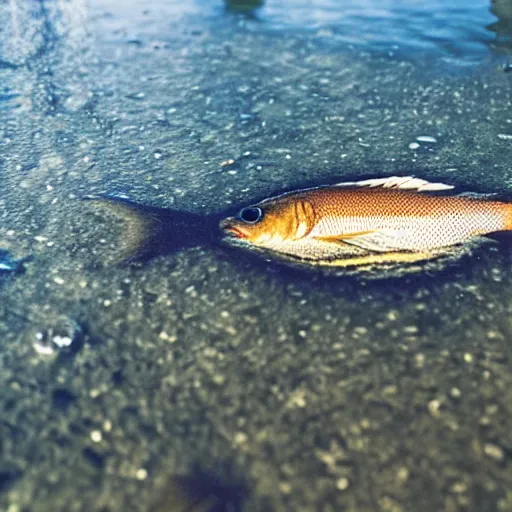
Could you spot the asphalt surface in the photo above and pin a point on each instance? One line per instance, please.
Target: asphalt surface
(208, 379)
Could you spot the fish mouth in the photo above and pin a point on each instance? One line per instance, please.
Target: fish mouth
(235, 232)
(231, 230)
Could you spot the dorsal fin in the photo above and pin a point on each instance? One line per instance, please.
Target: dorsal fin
(398, 182)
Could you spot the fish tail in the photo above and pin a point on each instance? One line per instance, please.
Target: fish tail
(150, 231)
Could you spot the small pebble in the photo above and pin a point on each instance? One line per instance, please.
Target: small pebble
(141, 474)
(285, 488)
(392, 315)
(218, 379)
(494, 452)
(468, 357)
(342, 483)
(43, 348)
(433, 407)
(403, 474)
(459, 487)
(414, 145)
(419, 360)
(96, 436)
(455, 393)
(426, 138)
(240, 438)
(62, 341)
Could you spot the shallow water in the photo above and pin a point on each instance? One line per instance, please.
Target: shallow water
(271, 388)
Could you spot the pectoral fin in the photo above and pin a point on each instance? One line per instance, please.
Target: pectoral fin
(382, 240)
(343, 237)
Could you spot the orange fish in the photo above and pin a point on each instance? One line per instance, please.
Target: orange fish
(366, 223)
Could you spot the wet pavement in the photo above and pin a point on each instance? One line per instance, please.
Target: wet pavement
(209, 372)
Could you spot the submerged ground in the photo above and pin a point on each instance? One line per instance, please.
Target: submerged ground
(207, 372)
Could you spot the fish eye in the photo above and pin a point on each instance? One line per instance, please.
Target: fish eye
(251, 214)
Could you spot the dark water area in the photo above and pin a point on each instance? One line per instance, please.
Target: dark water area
(210, 379)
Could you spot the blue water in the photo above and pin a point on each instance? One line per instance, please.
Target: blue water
(462, 30)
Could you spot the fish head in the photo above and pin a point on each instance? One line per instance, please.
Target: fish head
(270, 223)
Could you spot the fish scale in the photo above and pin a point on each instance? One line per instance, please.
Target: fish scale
(418, 221)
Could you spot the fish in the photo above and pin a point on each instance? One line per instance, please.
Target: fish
(369, 225)
(396, 220)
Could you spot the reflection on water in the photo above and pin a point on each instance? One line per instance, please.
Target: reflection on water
(503, 27)
(503, 9)
(244, 6)
(457, 27)
(460, 29)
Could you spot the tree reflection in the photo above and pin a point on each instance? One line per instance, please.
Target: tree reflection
(244, 6)
(503, 27)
